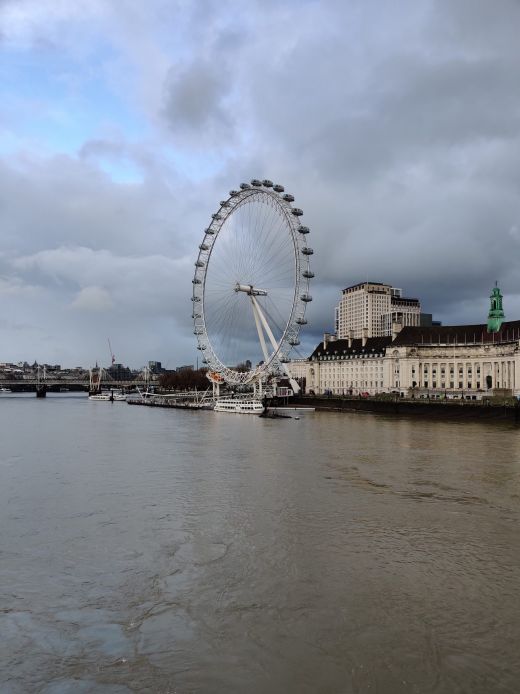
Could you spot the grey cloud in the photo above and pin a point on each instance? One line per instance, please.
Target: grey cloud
(397, 130)
(194, 101)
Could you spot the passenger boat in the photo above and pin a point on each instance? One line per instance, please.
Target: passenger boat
(239, 406)
(5, 390)
(119, 397)
(101, 396)
(112, 396)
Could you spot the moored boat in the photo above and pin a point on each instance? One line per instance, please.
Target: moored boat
(119, 397)
(239, 406)
(101, 396)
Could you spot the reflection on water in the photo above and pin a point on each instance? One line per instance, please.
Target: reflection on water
(194, 552)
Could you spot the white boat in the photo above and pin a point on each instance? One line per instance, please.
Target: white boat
(112, 396)
(239, 406)
(5, 390)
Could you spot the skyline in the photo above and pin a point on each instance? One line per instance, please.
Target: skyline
(120, 131)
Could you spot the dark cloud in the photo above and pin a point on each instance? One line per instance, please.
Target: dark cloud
(396, 127)
(195, 103)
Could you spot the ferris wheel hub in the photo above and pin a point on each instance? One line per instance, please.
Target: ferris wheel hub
(249, 289)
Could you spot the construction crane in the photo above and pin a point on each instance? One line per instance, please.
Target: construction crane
(112, 355)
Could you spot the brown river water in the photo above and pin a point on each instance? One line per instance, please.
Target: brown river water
(147, 550)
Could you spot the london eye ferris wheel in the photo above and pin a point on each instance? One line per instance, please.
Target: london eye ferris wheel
(251, 284)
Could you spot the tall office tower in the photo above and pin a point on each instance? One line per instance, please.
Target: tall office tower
(371, 308)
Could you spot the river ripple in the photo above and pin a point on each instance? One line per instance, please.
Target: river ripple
(167, 551)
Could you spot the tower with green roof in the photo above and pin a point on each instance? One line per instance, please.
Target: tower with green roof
(496, 312)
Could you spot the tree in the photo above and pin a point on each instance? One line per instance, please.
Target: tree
(187, 379)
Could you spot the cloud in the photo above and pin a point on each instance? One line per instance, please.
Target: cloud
(397, 129)
(14, 286)
(136, 283)
(194, 98)
(95, 299)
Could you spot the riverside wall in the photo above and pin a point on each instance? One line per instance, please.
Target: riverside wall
(433, 409)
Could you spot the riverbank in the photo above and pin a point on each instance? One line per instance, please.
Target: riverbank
(433, 409)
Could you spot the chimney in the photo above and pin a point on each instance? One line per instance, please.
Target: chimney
(350, 336)
(328, 337)
(365, 337)
(396, 329)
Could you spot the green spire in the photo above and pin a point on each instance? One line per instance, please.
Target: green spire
(496, 312)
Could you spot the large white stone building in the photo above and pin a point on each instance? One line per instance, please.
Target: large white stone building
(370, 309)
(464, 361)
(343, 367)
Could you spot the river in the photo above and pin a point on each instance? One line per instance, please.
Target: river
(148, 550)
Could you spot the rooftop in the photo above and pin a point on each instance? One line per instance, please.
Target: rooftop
(362, 284)
(373, 345)
(457, 334)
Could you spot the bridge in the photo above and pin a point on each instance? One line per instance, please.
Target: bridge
(94, 381)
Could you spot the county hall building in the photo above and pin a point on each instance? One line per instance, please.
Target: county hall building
(463, 361)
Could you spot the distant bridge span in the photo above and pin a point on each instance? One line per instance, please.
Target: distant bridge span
(34, 383)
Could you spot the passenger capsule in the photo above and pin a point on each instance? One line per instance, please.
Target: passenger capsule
(225, 203)
(303, 230)
(288, 197)
(267, 183)
(209, 230)
(195, 298)
(198, 331)
(255, 182)
(196, 281)
(306, 298)
(245, 186)
(307, 251)
(199, 263)
(301, 321)
(216, 216)
(308, 274)
(278, 188)
(297, 212)
(294, 342)
(234, 193)
(203, 246)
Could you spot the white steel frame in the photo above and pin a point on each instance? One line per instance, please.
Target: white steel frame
(274, 359)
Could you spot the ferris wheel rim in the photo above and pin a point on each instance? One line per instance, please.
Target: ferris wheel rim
(272, 194)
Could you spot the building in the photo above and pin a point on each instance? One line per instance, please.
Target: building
(458, 361)
(348, 367)
(370, 308)
(155, 367)
(119, 372)
(298, 369)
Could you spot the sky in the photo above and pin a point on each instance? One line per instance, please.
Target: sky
(396, 125)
